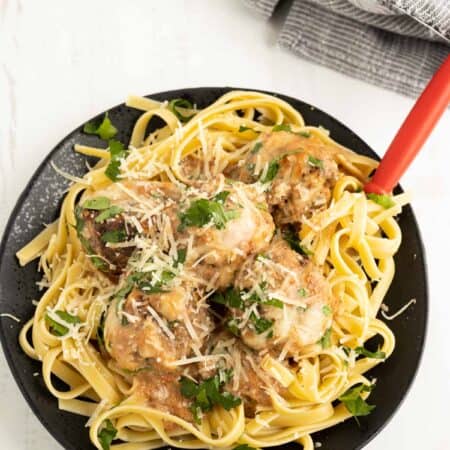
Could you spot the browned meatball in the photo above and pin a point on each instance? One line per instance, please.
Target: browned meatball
(108, 221)
(155, 329)
(286, 303)
(303, 171)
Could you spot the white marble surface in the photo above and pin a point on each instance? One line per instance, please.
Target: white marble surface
(63, 61)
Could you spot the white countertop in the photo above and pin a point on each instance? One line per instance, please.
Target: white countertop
(64, 61)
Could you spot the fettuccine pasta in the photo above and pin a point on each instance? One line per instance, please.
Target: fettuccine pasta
(213, 283)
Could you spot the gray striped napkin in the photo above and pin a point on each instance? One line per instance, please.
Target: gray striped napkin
(396, 44)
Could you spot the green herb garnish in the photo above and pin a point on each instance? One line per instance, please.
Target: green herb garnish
(325, 340)
(118, 152)
(221, 197)
(384, 200)
(314, 162)
(291, 237)
(108, 213)
(302, 292)
(57, 328)
(364, 352)
(181, 257)
(114, 236)
(282, 127)
(257, 147)
(326, 310)
(305, 134)
(354, 403)
(105, 130)
(107, 434)
(202, 212)
(97, 203)
(272, 171)
(231, 298)
(209, 393)
(260, 324)
(244, 447)
(242, 128)
(181, 103)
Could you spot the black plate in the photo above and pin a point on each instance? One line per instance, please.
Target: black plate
(39, 203)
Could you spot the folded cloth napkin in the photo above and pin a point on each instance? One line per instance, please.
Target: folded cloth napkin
(396, 44)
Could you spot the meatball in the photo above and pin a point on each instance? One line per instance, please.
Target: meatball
(238, 225)
(301, 169)
(155, 329)
(108, 221)
(285, 301)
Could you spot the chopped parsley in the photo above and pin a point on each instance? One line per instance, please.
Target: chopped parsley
(291, 237)
(105, 130)
(260, 324)
(201, 212)
(257, 147)
(114, 236)
(304, 133)
(326, 310)
(57, 328)
(354, 403)
(242, 128)
(384, 200)
(108, 213)
(97, 203)
(242, 300)
(272, 171)
(107, 434)
(221, 197)
(181, 103)
(314, 162)
(209, 393)
(118, 153)
(181, 257)
(282, 127)
(244, 447)
(302, 292)
(364, 352)
(325, 340)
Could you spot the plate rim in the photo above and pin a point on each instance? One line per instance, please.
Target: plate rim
(60, 437)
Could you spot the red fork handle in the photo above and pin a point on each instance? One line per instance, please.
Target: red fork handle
(413, 133)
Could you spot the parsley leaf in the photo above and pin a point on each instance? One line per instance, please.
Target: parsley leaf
(243, 447)
(291, 237)
(326, 310)
(274, 302)
(208, 393)
(221, 197)
(107, 434)
(97, 203)
(272, 171)
(114, 236)
(257, 147)
(325, 340)
(385, 201)
(260, 324)
(353, 401)
(118, 152)
(231, 297)
(314, 162)
(242, 128)
(364, 352)
(232, 326)
(181, 257)
(181, 103)
(106, 214)
(57, 328)
(282, 127)
(202, 212)
(304, 133)
(302, 292)
(105, 130)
